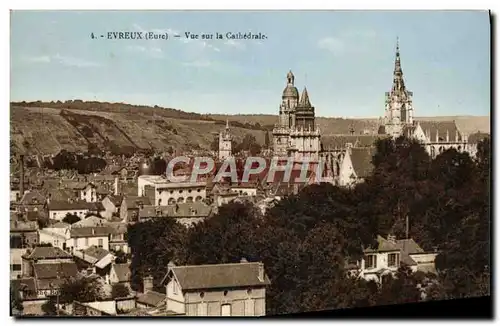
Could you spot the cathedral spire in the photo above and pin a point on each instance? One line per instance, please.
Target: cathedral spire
(398, 82)
(304, 99)
(227, 124)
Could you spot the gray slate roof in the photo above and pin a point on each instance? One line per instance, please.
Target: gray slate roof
(47, 253)
(151, 298)
(219, 276)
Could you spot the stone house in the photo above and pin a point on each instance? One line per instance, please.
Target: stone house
(237, 289)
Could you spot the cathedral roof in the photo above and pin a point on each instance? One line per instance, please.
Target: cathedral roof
(340, 141)
(361, 159)
(439, 128)
(477, 137)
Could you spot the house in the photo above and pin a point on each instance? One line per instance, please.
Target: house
(91, 220)
(23, 233)
(33, 200)
(83, 190)
(129, 210)
(186, 214)
(87, 236)
(387, 257)
(111, 204)
(120, 273)
(237, 289)
(56, 234)
(162, 192)
(16, 262)
(95, 260)
(355, 165)
(117, 237)
(43, 255)
(59, 209)
(50, 276)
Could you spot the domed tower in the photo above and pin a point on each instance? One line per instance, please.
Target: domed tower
(286, 120)
(289, 101)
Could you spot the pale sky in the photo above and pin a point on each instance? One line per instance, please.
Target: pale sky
(344, 58)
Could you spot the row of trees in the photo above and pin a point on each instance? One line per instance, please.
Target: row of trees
(306, 240)
(65, 160)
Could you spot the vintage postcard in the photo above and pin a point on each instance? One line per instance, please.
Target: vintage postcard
(250, 163)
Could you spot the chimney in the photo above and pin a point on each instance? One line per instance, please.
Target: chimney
(243, 260)
(261, 272)
(116, 187)
(147, 283)
(21, 178)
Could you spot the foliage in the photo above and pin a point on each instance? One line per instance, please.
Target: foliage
(71, 218)
(306, 240)
(154, 243)
(82, 289)
(120, 257)
(119, 291)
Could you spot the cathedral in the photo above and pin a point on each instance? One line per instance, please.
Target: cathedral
(296, 133)
(347, 157)
(435, 136)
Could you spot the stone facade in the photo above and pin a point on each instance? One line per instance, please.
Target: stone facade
(296, 133)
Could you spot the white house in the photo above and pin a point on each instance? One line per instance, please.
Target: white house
(85, 191)
(217, 290)
(81, 238)
(168, 193)
(388, 256)
(59, 209)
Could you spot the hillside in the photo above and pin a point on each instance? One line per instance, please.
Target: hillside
(46, 128)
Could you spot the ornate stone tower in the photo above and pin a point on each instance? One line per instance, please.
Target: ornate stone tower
(225, 139)
(305, 136)
(398, 102)
(286, 121)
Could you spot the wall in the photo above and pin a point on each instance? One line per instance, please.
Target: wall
(81, 243)
(109, 207)
(60, 215)
(89, 194)
(239, 299)
(55, 236)
(171, 196)
(175, 301)
(16, 259)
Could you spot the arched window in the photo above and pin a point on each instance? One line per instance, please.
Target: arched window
(433, 152)
(189, 200)
(180, 200)
(198, 198)
(171, 201)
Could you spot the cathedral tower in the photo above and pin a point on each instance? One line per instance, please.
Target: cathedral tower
(286, 121)
(225, 139)
(398, 102)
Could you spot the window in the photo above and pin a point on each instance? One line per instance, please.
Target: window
(56, 243)
(75, 243)
(100, 243)
(54, 215)
(174, 287)
(371, 261)
(86, 242)
(16, 267)
(393, 260)
(225, 310)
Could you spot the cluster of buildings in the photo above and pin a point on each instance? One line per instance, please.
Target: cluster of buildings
(64, 227)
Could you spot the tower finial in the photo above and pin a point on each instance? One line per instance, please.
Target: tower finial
(227, 124)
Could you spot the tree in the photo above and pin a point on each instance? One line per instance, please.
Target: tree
(82, 289)
(119, 291)
(154, 243)
(71, 218)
